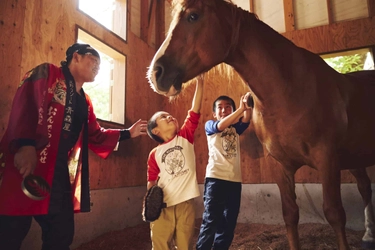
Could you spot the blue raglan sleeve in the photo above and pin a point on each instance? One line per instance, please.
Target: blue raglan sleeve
(211, 127)
(241, 126)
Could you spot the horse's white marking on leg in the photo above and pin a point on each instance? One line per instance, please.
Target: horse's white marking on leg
(369, 224)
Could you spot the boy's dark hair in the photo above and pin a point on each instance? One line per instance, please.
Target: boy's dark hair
(224, 98)
(151, 124)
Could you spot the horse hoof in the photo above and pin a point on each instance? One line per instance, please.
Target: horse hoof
(368, 244)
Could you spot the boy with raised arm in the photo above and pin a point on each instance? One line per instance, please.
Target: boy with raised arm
(171, 165)
(222, 187)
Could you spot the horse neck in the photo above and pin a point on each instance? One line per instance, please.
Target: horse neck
(271, 65)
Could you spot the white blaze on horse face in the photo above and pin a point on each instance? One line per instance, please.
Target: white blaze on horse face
(151, 73)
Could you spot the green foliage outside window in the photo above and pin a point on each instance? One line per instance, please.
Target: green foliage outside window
(346, 64)
(99, 90)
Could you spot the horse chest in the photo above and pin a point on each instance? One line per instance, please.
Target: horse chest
(278, 140)
(267, 130)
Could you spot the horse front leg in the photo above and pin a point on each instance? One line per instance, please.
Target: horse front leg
(332, 205)
(364, 187)
(286, 184)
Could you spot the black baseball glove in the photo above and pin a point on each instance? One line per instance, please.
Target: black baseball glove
(153, 204)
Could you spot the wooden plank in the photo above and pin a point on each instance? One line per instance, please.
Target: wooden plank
(151, 21)
(119, 18)
(371, 8)
(12, 18)
(160, 23)
(135, 17)
(144, 19)
(330, 12)
(129, 14)
(289, 15)
(340, 36)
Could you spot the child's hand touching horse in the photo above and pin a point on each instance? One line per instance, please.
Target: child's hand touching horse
(248, 100)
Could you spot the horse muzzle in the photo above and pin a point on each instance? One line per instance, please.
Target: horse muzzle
(165, 78)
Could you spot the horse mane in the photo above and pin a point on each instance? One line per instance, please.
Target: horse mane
(219, 75)
(225, 70)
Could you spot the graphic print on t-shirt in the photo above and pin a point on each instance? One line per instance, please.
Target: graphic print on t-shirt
(229, 142)
(174, 161)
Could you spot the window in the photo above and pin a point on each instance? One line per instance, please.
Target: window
(107, 92)
(349, 61)
(110, 13)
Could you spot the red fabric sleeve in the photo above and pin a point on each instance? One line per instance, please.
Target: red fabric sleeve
(189, 126)
(101, 141)
(152, 167)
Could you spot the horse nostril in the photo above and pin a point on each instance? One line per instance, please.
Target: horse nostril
(158, 71)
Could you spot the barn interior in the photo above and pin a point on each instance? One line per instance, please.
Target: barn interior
(127, 33)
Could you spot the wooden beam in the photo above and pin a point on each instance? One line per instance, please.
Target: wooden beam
(371, 8)
(346, 35)
(289, 15)
(159, 23)
(128, 14)
(144, 19)
(151, 20)
(330, 12)
(119, 18)
(252, 6)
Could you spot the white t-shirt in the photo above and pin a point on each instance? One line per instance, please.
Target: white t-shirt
(174, 163)
(224, 151)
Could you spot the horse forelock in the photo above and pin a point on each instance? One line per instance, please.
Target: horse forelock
(178, 7)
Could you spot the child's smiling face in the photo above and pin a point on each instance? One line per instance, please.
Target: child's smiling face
(223, 108)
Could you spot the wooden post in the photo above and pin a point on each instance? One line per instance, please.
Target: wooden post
(289, 15)
(330, 12)
(151, 20)
(371, 8)
(144, 19)
(159, 23)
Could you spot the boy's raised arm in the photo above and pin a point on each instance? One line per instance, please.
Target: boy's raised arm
(197, 100)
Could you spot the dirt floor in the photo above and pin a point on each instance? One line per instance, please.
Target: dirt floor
(247, 237)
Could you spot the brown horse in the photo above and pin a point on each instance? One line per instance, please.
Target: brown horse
(305, 113)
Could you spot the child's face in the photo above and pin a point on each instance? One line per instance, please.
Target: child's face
(166, 123)
(222, 109)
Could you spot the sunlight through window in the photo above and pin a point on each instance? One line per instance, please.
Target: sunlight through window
(109, 13)
(107, 92)
(350, 61)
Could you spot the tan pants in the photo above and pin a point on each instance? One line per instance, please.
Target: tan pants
(174, 228)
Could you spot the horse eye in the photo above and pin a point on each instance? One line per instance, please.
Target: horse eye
(193, 17)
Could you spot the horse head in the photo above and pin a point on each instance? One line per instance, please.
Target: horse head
(192, 46)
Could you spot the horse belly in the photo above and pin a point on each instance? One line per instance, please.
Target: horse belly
(358, 144)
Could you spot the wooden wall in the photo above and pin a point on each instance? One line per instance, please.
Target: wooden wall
(34, 32)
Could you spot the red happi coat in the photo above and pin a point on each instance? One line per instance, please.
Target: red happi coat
(40, 112)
